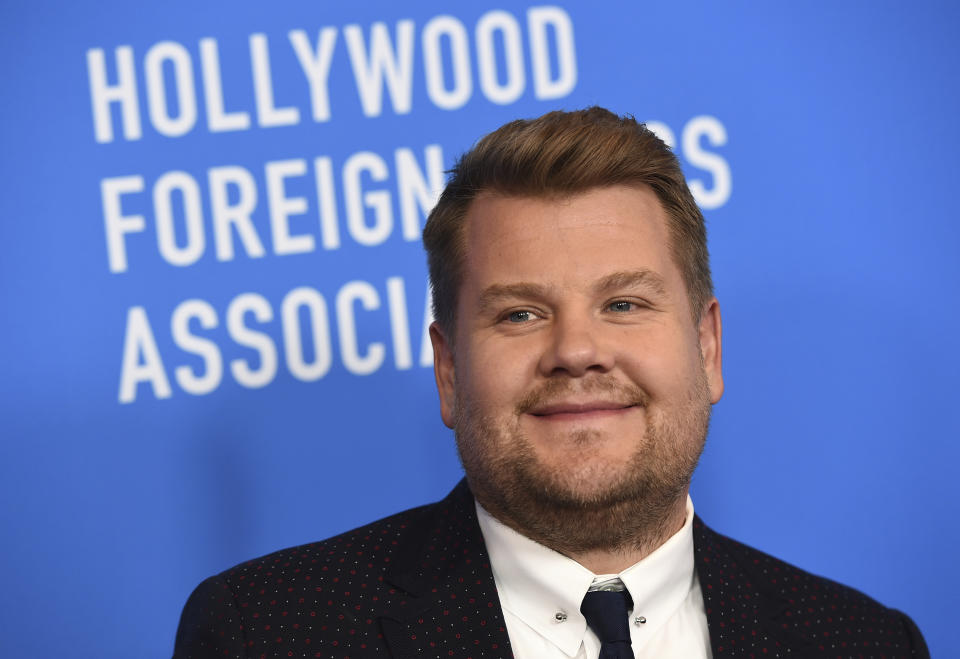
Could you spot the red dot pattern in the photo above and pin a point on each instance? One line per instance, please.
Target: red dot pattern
(419, 584)
(759, 606)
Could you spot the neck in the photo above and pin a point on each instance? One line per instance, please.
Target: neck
(605, 540)
(617, 559)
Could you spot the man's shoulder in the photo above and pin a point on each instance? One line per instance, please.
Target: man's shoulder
(366, 550)
(740, 581)
(728, 559)
(334, 592)
(371, 545)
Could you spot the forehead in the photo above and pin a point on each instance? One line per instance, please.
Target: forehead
(566, 240)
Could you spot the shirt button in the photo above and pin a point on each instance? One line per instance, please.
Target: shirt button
(560, 616)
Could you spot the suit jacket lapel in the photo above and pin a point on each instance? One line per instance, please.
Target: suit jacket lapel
(446, 601)
(453, 609)
(745, 617)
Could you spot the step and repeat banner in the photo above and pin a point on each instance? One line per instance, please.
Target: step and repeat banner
(215, 306)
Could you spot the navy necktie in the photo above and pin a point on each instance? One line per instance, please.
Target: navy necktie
(607, 614)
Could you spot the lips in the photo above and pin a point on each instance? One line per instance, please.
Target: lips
(573, 409)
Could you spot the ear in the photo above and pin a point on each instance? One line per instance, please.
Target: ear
(711, 348)
(443, 371)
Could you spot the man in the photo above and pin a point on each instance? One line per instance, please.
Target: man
(577, 354)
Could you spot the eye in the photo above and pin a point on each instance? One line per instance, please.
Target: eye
(621, 306)
(520, 316)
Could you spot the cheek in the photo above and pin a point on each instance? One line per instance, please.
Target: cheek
(498, 374)
(666, 368)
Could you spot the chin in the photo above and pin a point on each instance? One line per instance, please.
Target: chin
(586, 483)
(588, 457)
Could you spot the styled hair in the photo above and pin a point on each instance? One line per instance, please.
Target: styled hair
(562, 153)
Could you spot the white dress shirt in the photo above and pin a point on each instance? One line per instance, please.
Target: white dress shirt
(541, 590)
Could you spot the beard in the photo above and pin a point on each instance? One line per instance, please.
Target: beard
(584, 504)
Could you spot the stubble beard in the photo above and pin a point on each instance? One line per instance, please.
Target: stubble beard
(585, 506)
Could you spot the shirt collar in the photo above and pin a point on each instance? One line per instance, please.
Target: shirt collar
(544, 588)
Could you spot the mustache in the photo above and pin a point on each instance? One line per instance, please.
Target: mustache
(558, 389)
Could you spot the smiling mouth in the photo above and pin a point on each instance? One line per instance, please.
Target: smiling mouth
(580, 411)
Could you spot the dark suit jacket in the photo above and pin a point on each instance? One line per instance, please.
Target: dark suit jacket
(418, 584)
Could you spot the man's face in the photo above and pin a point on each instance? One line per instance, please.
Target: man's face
(577, 382)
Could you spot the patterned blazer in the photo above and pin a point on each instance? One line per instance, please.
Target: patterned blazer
(419, 585)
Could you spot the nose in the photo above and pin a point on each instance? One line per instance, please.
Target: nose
(576, 346)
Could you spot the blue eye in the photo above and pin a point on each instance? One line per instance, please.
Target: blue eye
(519, 316)
(621, 306)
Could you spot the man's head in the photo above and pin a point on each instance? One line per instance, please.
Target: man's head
(577, 366)
(562, 153)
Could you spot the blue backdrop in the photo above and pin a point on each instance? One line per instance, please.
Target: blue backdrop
(214, 293)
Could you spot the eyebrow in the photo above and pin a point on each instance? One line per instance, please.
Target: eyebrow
(642, 278)
(495, 293)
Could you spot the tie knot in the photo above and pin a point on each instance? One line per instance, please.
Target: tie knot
(607, 614)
